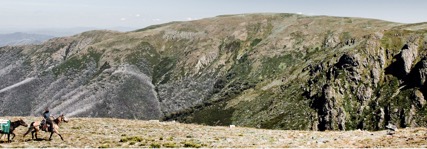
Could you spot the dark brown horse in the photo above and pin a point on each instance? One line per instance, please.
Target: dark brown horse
(35, 128)
(13, 126)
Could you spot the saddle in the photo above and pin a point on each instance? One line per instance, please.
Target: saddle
(44, 126)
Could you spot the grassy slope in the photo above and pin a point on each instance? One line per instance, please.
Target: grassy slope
(106, 132)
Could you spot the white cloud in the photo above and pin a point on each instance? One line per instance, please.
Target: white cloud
(123, 19)
(137, 15)
(189, 19)
(299, 13)
(155, 20)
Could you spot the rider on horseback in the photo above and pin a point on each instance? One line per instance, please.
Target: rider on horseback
(46, 116)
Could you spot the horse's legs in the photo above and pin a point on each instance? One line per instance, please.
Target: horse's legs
(61, 137)
(32, 134)
(54, 131)
(13, 135)
(29, 129)
(51, 133)
(8, 137)
(35, 134)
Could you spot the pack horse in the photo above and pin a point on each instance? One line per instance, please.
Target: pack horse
(7, 127)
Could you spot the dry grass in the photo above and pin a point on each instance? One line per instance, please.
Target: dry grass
(107, 132)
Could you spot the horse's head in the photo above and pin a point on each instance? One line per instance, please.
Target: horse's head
(62, 118)
(65, 119)
(22, 122)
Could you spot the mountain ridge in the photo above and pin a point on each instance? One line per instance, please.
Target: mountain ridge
(279, 71)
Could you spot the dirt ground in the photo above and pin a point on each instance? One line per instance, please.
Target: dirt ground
(119, 133)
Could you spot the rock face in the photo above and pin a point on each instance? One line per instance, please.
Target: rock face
(279, 71)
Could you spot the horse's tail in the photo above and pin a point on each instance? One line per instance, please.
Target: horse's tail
(31, 125)
(29, 129)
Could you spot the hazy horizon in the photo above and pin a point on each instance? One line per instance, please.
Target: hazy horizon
(24, 15)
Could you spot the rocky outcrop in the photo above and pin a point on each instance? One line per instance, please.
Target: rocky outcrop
(409, 53)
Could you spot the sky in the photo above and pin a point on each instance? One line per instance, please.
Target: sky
(16, 15)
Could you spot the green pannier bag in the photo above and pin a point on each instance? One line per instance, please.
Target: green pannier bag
(5, 126)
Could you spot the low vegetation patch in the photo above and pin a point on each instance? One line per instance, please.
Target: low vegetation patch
(129, 139)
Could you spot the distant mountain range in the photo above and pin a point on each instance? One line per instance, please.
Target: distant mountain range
(18, 38)
(13, 37)
(61, 32)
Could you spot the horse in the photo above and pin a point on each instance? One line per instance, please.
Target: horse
(35, 127)
(12, 127)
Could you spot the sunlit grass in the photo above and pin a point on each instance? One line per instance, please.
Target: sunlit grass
(108, 133)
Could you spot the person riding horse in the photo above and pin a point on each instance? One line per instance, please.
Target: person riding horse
(47, 120)
(36, 126)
